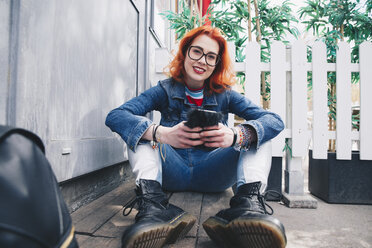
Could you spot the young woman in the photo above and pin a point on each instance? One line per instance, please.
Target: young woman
(174, 157)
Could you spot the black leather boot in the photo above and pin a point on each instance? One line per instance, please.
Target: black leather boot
(157, 222)
(246, 223)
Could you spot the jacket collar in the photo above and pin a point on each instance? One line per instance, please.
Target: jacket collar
(177, 91)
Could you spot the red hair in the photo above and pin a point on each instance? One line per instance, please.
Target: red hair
(223, 75)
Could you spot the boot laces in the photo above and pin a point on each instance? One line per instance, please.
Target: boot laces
(139, 200)
(262, 200)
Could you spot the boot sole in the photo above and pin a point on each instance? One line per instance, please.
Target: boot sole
(158, 235)
(245, 232)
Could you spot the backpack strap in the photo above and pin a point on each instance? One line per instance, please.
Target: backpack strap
(6, 131)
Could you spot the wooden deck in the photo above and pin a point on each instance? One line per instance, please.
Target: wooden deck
(101, 223)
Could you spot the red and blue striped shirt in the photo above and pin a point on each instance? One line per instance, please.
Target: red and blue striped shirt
(195, 96)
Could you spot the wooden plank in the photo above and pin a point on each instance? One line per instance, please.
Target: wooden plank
(354, 135)
(354, 67)
(320, 108)
(205, 242)
(331, 66)
(343, 105)
(365, 58)
(188, 201)
(86, 210)
(81, 238)
(109, 234)
(116, 225)
(264, 66)
(231, 51)
(94, 242)
(278, 91)
(89, 209)
(212, 203)
(90, 217)
(239, 66)
(252, 72)
(191, 202)
(299, 100)
(186, 242)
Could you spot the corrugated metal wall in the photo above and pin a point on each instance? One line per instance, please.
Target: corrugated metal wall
(63, 66)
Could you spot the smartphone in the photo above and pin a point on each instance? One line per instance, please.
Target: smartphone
(202, 118)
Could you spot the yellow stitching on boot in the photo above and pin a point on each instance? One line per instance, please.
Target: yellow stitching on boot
(69, 238)
(179, 216)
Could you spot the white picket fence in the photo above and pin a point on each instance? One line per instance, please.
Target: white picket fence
(293, 86)
(295, 113)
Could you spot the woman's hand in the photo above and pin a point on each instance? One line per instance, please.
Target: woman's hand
(179, 136)
(217, 136)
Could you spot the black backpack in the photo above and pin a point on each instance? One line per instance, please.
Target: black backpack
(33, 213)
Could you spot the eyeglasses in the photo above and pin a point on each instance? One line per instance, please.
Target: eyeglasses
(196, 53)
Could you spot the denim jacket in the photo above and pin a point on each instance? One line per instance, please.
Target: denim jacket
(168, 97)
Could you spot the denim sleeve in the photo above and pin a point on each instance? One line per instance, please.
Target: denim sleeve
(266, 124)
(129, 119)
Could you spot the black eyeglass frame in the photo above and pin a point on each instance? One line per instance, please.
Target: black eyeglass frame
(205, 55)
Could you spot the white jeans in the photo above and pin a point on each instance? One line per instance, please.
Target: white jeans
(201, 170)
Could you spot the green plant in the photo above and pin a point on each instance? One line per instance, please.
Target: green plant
(182, 22)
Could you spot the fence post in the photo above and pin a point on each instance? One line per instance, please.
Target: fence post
(294, 195)
(320, 107)
(365, 55)
(252, 68)
(343, 103)
(231, 50)
(278, 91)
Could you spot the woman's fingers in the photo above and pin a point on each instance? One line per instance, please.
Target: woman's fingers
(219, 126)
(190, 130)
(221, 137)
(212, 133)
(181, 136)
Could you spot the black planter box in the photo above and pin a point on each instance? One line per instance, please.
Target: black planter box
(275, 178)
(341, 181)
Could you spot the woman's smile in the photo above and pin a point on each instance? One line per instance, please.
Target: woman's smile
(198, 70)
